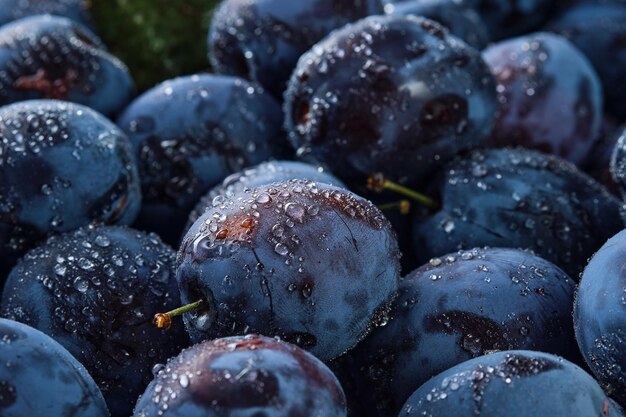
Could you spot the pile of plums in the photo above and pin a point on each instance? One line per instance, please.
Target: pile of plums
(368, 208)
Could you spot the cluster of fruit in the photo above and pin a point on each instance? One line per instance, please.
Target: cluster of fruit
(381, 208)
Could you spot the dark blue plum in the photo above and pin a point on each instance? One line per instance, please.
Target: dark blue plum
(243, 376)
(618, 161)
(599, 317)
(507, 18)
(598, 162)
(72, 9)
(311, 263)
(188, 134)
(550, 97)
(460, 20)
(263, 174)
(262, 39)
(62, 166)
(95, 291)
(518, 198)
(513, 383)
(38, 377)
(599, 30)
(390, 94)
(458, 307)
(54, 57)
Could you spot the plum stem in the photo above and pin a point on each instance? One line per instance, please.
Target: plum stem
(164, 320)
(403, 205)
(378, 183)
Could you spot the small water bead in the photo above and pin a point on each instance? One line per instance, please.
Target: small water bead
(263, 198)
(278, 230)
(295, 211)
(85, 264)
(156, 369)
(81, 285)
(435, 262)
(307, 290)
(102, 241)
(60, 269)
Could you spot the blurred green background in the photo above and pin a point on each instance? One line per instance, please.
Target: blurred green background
(157, 39)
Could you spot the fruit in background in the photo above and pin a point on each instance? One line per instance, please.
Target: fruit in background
(262, 40)
(513, 384)
(521, 199)
(56, 58)
(38, 377)
(459, 19)
(95, 291)
(389, 94)
(599, 31)
(262, 174)
(188, 134)
(599, 159)
(157, 39)
(62, 166)
(245, 375)
(618, 161)
(550, 97)
(311, 263)
(599, 316)
(72, 9)
(506, 18)
(455, 308)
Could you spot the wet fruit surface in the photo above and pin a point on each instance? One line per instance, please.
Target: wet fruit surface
(325, 150)
(39, 377)
(458, 307)
(95, 291)
(309, 262)
(618, 161)
(262, 40)
(56, 58)
(392, 94)
(599, 316)
(62, 166)
(243, 376)
(512, 383)
(191, 132)
(521, 199)
(257, 176)
(460, 20)
(550, 98)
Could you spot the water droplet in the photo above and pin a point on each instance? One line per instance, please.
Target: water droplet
(85, 264)
(263, 198)
(60, 269)
(281, 249)
(81, 285)
(295, 211)
(102, 241)
(435, 262)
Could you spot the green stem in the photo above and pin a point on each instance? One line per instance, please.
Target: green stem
(164, 320)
